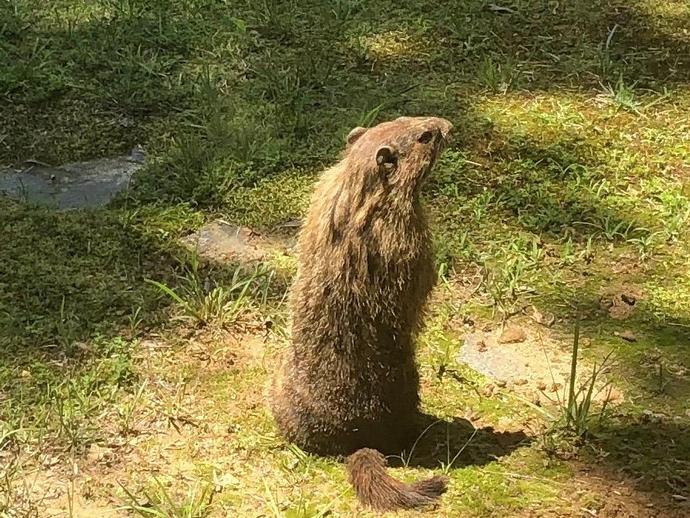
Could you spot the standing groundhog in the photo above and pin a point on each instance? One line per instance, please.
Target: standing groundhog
(349, 383)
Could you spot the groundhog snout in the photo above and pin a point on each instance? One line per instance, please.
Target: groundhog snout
(444, 126)
(437, 131)
(443, 132)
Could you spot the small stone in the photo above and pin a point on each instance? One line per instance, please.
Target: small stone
(652, 417)
(138, 154)
(501, 383)
(520, 381)
(512, 335)
(97, 453)
(293, 223)
(489, 390)
(612, 395)
(620, 311)
(628, 299)
(473, 416)
(626, 335)
(620, 305)
(545, 319)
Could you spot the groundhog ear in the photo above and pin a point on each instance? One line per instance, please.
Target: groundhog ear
(386, 158)
(354, 135)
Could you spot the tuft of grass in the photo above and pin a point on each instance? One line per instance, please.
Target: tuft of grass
(497, 75)
(160, 503)
(127, 411)
(203, 302)
(301, 509)
(16, 498)
(505, 284)
(623, 96)
(577, 410)
(343, 10)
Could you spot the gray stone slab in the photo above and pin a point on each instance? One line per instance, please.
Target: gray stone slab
(221, 241)
(76, 185)
(538, 364)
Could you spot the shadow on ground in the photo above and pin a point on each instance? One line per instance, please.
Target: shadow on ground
(654, 454)
(659, 337)
(551, 190)
(459, 443)
(71, 275)
(645, 444)
(101, 83)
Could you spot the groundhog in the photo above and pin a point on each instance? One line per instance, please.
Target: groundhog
(349, 385)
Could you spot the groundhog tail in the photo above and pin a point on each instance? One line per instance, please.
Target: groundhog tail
(378, 490)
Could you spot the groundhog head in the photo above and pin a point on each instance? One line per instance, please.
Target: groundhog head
(397, 154)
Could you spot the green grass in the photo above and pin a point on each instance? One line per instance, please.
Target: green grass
(568, 177)
(196, 503)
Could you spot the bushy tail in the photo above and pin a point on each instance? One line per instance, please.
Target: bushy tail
(376, 489)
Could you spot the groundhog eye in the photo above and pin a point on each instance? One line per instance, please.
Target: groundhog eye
(425, 137)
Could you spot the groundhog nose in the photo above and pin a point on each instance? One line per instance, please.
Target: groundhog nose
(446, 128)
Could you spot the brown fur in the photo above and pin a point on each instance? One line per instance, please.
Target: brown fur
(382, 492)
(350, 381)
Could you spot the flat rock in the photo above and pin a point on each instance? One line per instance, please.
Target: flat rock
(221, 241)
(532, 365)
(76, 185)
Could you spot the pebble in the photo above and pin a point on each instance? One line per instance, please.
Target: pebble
(628, 299)
(626, 335)
(652, 417)
(512, 335)
(545, 319)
